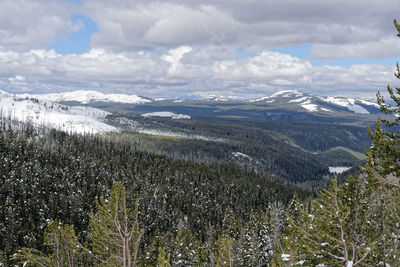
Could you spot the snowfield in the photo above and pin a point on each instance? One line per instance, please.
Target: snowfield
(166, 114)
(349, 103)
(240, 155)
(45, 113)
(338, 170)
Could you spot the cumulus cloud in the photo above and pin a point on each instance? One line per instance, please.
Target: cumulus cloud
(126, 25)
(167, 73)
(175, 47)
(174, 57)
(26, 24)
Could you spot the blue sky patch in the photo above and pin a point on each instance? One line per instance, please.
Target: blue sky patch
(77, 42)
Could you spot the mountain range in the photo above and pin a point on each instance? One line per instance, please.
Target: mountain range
(308, 102)
(86, 111)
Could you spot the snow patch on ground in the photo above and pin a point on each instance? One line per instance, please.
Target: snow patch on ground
(180, 135)
(298, 100)
(166, 114)
(340, 101)
(358, 109)
(368, 103)
(310, 107)
(138, 128)
(338, 170)
(285, 257)
(240, 155)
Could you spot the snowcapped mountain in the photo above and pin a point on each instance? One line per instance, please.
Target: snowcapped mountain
(313, 103)
(75, 119)
(85, 97)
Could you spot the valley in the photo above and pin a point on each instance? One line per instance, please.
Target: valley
(279, 134)
(238, 158)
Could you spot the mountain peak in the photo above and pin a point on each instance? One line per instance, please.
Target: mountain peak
(283, 93)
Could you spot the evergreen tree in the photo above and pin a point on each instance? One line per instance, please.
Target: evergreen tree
(383, 170)
(114, 230)
(258, 238)
(224, 255)
(163, 258)
(186, 249)
(227, 248)
(230, 225)
(330, 234)
(383, 157)
(65, 248)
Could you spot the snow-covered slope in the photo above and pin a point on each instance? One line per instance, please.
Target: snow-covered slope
(89, 96)
(313, 103)
(284, 93)
(349, 103)
(53, 115)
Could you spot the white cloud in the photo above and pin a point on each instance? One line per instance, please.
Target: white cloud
(267, 65)
(383, 48)
(16, 79)
(173, 73)
(131, 25)
(174, 57)
(26, 24)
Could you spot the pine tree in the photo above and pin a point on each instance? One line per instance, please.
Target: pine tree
(227, 246)
(63, 243)
(224, 255)
(384, 155)
(163, 258)
(383, 170)
(258, 238)
(330, 233)
(114, 230)
(230, 225)
(186, 249)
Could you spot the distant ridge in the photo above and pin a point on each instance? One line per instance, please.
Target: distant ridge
(85, 97)
(314, 103)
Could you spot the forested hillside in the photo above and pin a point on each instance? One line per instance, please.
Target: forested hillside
(48, 176)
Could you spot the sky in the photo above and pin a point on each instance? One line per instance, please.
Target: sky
(172, 48)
